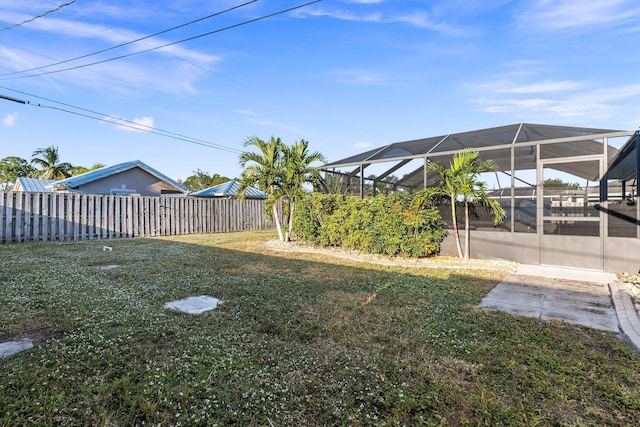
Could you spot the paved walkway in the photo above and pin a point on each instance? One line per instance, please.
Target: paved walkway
(589, 298)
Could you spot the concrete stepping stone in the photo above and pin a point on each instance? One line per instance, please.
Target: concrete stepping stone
(194, 305)
(107, 266)
(9, 348)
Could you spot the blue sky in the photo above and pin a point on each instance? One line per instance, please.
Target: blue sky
(346, 75)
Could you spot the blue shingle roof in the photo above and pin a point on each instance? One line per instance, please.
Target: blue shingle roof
(106, 171)
(229, 189)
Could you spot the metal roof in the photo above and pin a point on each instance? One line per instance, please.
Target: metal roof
(626, 163)
(94, 175)
(229, 189)
(496, 144)
(34, 184)
(521, 135)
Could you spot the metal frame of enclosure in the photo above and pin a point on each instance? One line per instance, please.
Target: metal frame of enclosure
(569, 193)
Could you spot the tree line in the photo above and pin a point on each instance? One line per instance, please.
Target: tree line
(45, 163)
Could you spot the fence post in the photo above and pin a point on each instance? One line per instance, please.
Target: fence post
(8, 217)
(18, 213)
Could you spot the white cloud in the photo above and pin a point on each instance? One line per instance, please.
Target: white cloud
(119, 36)
(578, 14)
(145, 122)
(140, 124)
(425, 20)
(10, 120)
(545, 86)
(344, 15)
(570, 108)
(420, 19)
(171, 76)
(362, 144)
(577, 101)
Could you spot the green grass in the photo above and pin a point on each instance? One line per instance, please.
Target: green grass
(300, 339)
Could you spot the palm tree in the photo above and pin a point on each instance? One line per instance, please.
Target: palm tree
(460, 183)
(48, 160)
(298, 171)
(264, 169)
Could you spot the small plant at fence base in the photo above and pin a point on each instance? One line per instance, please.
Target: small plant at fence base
(385, 224)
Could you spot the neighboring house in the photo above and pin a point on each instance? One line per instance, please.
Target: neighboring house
(228, 190)
(36, 185)
(130, 178)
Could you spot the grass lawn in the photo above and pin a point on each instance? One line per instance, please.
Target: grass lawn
(300, 339)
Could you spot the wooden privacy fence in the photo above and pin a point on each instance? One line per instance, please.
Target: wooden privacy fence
(42, 217)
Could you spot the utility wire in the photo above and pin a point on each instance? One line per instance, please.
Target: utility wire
(139, 86)
(145, 128)
(36, 17)
(96, 115)
(169, 44)
(132, 41)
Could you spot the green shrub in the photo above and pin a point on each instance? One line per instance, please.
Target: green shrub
(384, 224)
(313, 211)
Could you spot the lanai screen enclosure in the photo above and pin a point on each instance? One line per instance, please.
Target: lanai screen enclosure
(570, 193)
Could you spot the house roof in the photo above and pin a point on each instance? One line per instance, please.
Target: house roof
(229, 189)
(33, 184)
(94, 175)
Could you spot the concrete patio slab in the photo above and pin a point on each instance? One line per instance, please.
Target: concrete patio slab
(589, 276)
(553, 293)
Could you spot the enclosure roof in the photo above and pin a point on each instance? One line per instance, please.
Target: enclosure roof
(229, 189)
(571, 141)
(625, 165)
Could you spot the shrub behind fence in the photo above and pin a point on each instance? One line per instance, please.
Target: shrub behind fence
(42, 217)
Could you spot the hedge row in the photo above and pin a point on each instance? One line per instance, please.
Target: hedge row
(384, 224)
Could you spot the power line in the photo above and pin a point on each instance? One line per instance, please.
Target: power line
(169, 44)
(39, 16)
(132, 41)
(145, 128)
(96, 115)
(139, 86)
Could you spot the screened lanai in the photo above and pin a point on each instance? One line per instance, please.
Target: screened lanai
(562, 206)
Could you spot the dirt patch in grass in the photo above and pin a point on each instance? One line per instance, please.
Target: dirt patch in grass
(35, 333)
(40, 333)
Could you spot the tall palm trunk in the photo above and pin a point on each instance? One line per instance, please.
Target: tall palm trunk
(456, 233)
(287, 237)
(467, 231)
(276, 220)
